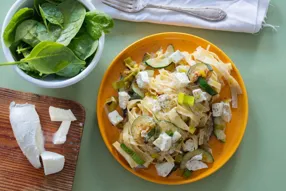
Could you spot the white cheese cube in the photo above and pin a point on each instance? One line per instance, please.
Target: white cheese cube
(53, 162)
(206, 96)
(152, 104)
(60, 136)
(156, 106)
(142, 79)
(182, 79)
(163, 142)
(27, 130)
(58, 114)
(163, 169)
(189, 145)
(194, 165)
(176, 136)
(217, 109)
(201, 96)
(123, 99)
(182, 68)
(226, 113)
(115, 118)
(198, 94)
(176, 57)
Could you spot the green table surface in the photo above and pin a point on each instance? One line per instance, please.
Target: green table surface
(258, 164)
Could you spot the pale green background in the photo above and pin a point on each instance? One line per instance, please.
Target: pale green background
(259, 163)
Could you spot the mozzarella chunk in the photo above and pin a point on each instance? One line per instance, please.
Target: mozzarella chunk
(189, 145)
(155, 106)
(217, 109)
(207, 96)
(176, 57)
(201, 96)
(198, 95)
(60, 136)
(166, 102)
(27, 130)
(115, 118)
(182, 68)
(163, 142)
(226, 113)
(176, 136)
(123, 99)
(58, 114)
(142, 79)
(163, 169)
(182, 79)
(152, 104)
(53, 162)
(195, 165)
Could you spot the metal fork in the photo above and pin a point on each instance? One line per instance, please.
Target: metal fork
(132, 6)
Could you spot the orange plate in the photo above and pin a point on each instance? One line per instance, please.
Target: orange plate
(183, 42)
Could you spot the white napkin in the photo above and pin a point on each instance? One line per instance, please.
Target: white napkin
(242, 15)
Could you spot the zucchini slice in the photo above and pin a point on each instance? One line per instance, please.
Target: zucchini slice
(206, 87)
(141, 123)
(219, 129)
(167, 126)
(162, 60)
(199, 69)
(170, 50)
(220, 135)
(137, 90)
(207, 157)
(158, 63)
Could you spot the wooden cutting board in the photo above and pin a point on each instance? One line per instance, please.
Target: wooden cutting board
(16, 173)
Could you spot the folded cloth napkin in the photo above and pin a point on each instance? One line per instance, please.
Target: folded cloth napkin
(242, 15)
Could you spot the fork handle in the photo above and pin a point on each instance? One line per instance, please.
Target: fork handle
(209, 14)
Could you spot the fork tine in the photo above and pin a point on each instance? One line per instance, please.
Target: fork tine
(117, 5)
(127, 2)
(122, 3)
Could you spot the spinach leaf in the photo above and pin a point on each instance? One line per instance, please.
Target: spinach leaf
(71, 70)
(51, 13)
(101, 18)
(55, 2)
(94, 30)
(74, 14)
(83, 45)
(49, 58)
(20, 16)
(96, 22)
(33, 32)
(37, 3)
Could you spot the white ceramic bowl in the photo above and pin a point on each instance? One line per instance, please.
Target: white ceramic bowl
(50, 82)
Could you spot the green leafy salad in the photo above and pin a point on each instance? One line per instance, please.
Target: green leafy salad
(170, 106)
(56, 37)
